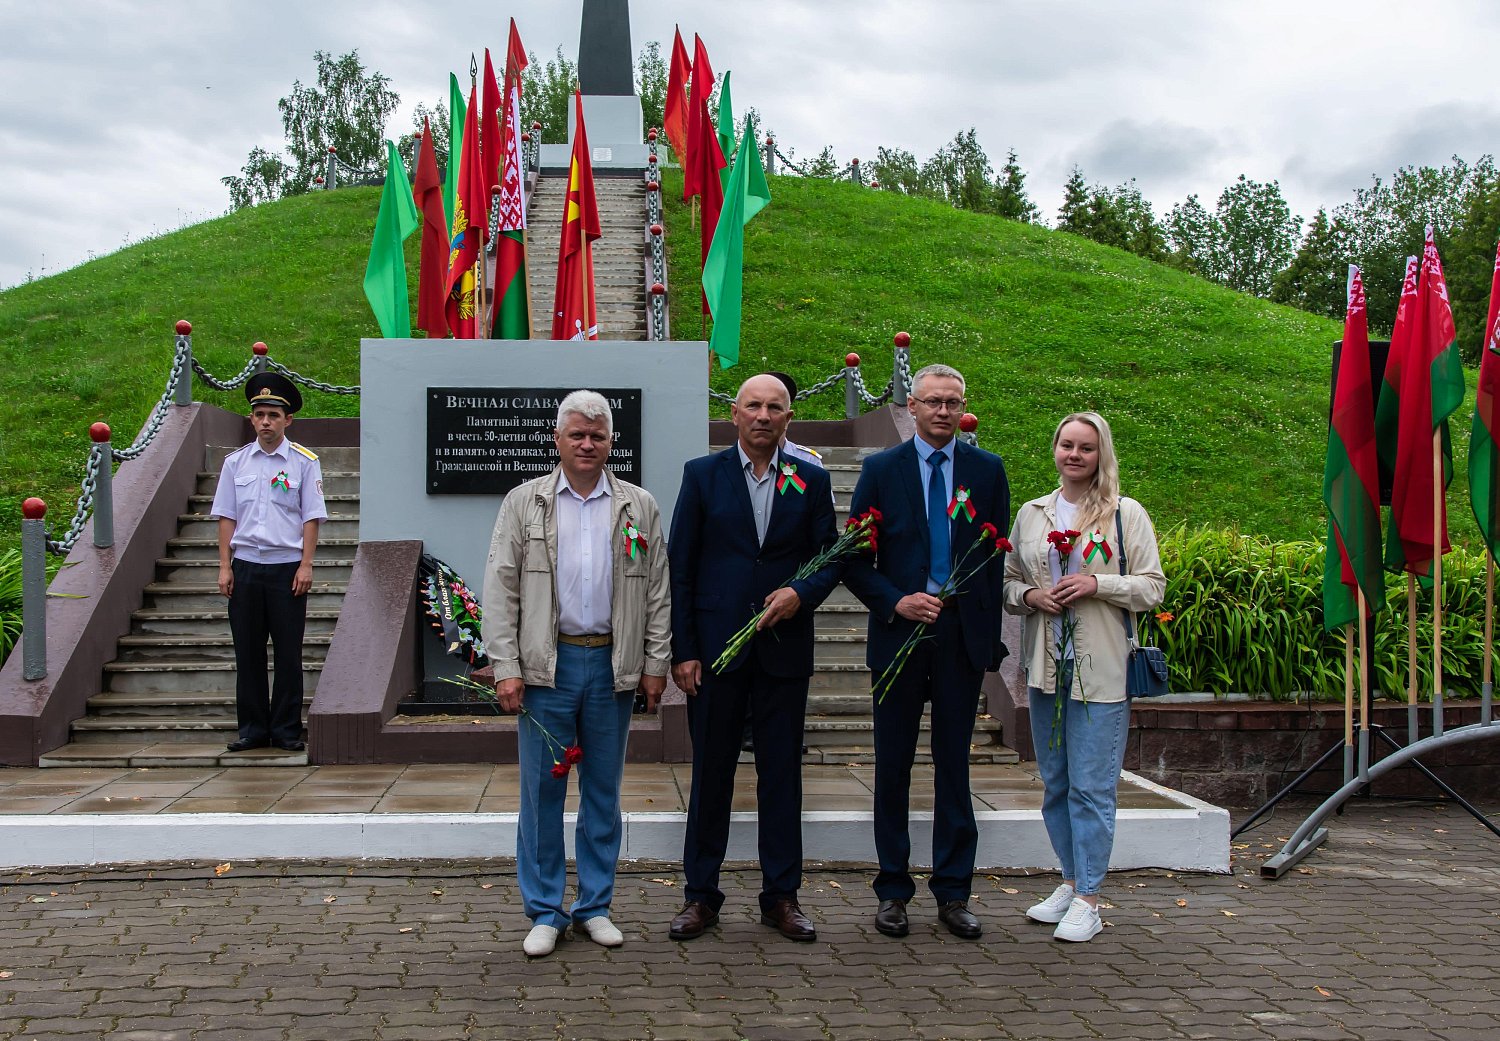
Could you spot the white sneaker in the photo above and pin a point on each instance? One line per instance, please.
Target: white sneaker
(1080, 923)
(603, 932)
(541, 941)
(1052, 909)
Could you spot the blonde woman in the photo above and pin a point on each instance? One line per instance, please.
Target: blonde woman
(1065, 578)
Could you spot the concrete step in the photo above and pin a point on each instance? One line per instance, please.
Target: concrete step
(339, 525)
(864, 754)
(204, 571)
(144, 750)
(329, 549)
(335, 482)
(187, 675)
(341, 503)
(180, 596)
(218, 646)
(340, 459)
(852, 731)
(167, 621)
(210, 704)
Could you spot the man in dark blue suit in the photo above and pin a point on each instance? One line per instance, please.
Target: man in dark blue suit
(747, 518)
(934, 494)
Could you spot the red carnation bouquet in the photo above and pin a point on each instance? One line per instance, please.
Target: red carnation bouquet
(564, 757)
(990, 544)
(861, 535)
(1067, 624)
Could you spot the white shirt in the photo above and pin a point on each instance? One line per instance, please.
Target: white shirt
(270, 496)
(584, 563)
(760, 489)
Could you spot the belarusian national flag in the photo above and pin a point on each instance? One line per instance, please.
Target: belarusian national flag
(432, 276)
(464, 249)
(513, 311)
(1388, 404)
(1430, 387)
(490, 145)
(457, 112)
(573, 309)
(385, 273)
(1351, 476)
(1484, 453)
(723, 270)
(675, 112)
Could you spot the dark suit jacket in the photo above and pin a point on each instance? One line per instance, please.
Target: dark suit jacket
(721, 575)
(891, 481)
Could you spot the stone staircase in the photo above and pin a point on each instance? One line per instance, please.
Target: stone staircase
(840, 727)
(168, 698)
(619, 254)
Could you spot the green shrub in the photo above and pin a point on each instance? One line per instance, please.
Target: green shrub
(1245, 613)
(10, 600)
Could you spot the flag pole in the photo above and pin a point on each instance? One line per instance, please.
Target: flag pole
(588, 272)
(1437, 583)
(1411, 657)
(1348, 702)
(1487, 689)
(1364, 686)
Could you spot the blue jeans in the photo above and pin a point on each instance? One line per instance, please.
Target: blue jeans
(1080, 770)
(581, 709)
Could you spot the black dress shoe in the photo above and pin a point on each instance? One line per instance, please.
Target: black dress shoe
(891, 918)
(961, 922)
(292, 746)
(787, 919)
(240, 744)
(692, 920)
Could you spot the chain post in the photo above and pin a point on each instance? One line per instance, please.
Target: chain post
(260, 350)
(101, 460)
(34, 589)
(902, 369)
(536, 140)
(769, 158)
(968, 426)
(184, 394)
(854, 173)
(851, 386)
(331, 179)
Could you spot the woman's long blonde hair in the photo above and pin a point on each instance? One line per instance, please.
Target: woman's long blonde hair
(1103, 495)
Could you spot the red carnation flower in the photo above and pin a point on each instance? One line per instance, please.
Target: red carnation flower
(875, 515)
(559, 770)
(572, 754)
(1002, 545)
(988, 531)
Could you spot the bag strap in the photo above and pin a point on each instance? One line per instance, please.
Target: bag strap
(1129, 620)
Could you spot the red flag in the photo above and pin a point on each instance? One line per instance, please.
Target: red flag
(432, 281)
(573, 310)
(698, 124)
(470, 203)
(1484, 431)
(490, 144)
(1431, 387)
(512, 310)
(675, 115)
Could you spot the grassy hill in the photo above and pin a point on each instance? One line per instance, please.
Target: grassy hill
(1218, 400)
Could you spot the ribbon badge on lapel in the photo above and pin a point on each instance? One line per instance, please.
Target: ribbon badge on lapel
(1097, 546)
(789, 479)
(960, 504)
(280, 481)
(635, 542)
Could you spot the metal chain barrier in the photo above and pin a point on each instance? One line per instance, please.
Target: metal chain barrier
(308, 381)
(159, 411)
(873, 400)
(63, 546)
(237, 380)
(656, 282)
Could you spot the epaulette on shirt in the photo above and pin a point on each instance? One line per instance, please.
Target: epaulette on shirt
(298, 448)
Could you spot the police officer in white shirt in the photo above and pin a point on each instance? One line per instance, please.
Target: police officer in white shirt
(269, 503)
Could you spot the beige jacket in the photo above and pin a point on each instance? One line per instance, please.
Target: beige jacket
(520, 587)
(1099, 642)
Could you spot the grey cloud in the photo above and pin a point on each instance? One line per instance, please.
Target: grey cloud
(1150, 151)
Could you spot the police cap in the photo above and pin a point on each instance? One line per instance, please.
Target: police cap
(272, 388)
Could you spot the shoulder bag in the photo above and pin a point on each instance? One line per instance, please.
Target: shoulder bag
(1145, 667)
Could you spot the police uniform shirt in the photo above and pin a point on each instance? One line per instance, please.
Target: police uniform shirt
(270, 496)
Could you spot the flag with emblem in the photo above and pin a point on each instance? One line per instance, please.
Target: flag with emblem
(1484, 434)
(385, 272)
(573, 310)
(457, 111)
(491, 148)
(513, 311)
(432, 275)
(1351, 475)
(464, 238)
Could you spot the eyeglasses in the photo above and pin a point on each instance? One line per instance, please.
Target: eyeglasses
(938, 404)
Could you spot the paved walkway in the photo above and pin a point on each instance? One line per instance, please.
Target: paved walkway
(1387, 932)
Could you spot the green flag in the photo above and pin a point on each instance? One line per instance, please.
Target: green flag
(458, 111)
(385, 274)
(723, 271)
(726, 130)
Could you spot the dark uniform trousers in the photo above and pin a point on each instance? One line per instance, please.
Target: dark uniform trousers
(262, 605)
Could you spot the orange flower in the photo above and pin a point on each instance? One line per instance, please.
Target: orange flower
(1164, 617)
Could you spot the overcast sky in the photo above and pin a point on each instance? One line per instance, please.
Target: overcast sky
(120, 116)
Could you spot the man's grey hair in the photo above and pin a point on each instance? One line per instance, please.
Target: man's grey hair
(937, 369)
(589, 404)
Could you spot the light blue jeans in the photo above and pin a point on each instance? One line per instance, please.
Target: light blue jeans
(582, 709)
(1080, 769)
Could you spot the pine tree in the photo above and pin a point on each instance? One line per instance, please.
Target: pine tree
(1072, 215)
(1010, 199)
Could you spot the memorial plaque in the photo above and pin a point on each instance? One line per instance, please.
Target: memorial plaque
(488, 440)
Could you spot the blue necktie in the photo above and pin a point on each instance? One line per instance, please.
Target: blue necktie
(937, 521)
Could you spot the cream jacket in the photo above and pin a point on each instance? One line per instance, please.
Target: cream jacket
(520, 587)
(1099, 641)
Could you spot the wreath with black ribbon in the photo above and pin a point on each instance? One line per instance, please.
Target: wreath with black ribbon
(453, 611)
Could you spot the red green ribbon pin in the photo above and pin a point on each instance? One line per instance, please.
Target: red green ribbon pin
(635, 542)
(789, 479)
(1097, 545)
(960, 504)
(280, 481)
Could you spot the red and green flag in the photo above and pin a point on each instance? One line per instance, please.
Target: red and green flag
(490, 145)
(675, 112)
(1351, 475)
(465, 231)
(573, 308)
(1484, 435)
(432, 275)
(385, 272)
(513, 311)
(1426, 389)
(724, 267)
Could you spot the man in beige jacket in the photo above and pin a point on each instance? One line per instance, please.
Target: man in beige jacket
(577, 619)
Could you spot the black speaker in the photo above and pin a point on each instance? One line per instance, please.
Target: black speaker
(1380, 350)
